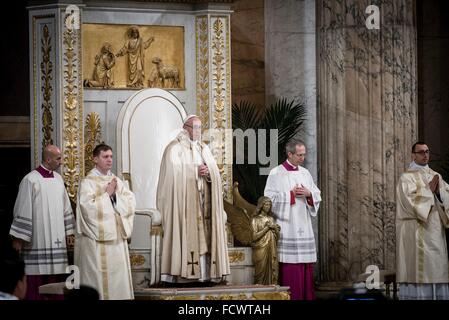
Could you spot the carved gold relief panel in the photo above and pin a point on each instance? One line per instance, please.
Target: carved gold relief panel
(133, 56)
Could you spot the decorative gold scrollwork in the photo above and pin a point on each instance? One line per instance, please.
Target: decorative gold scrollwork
(136, 260)
(72, 108)
(202, 72)
(46, 89)
(236, 256)
(92, 138)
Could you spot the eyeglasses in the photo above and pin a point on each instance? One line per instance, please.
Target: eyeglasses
(422, 152)
(300, 155)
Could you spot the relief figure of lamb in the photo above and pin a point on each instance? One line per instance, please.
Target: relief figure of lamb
(167, 76)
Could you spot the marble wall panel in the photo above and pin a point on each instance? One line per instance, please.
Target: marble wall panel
(248, 52)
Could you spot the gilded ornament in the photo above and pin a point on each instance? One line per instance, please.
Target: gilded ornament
(72, 108)
(46, 89)
(236, 256)
(92, 138)
(136, 260)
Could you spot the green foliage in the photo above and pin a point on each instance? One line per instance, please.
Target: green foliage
(285, 116)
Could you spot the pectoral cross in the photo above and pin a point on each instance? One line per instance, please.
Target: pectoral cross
(192, 263)
(58, 242)
(300, 232)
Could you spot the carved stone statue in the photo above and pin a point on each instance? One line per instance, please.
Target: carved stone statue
(103, 75)
(259, 230)
(135, 48)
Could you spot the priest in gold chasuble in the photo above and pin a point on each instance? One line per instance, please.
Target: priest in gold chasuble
(422, 214)
(104, 223)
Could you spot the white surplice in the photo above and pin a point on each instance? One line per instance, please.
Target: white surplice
(297, 241)
(43, 218)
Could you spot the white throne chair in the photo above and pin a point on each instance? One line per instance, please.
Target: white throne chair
(147, 122)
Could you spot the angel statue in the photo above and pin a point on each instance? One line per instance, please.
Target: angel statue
(259, 230)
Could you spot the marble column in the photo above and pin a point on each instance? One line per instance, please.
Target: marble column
(290, 62)
(367, 102)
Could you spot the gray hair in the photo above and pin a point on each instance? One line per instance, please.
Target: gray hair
(291, 145)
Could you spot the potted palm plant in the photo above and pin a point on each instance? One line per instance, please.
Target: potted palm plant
(285, 116)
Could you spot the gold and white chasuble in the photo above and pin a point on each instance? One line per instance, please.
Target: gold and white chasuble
(194, 245)
(103, 228)
(421, 219)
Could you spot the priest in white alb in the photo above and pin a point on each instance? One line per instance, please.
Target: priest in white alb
(43, 224)
(190, 199)
(422, 214)
(104, 224)
(295, 199)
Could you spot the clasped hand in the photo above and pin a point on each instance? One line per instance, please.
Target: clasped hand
(111, 187)
(301, 191)
(203, 170)
(434, 183)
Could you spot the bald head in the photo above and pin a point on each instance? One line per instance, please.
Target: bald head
(49, 151)
(51, 157)
(193, 126)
